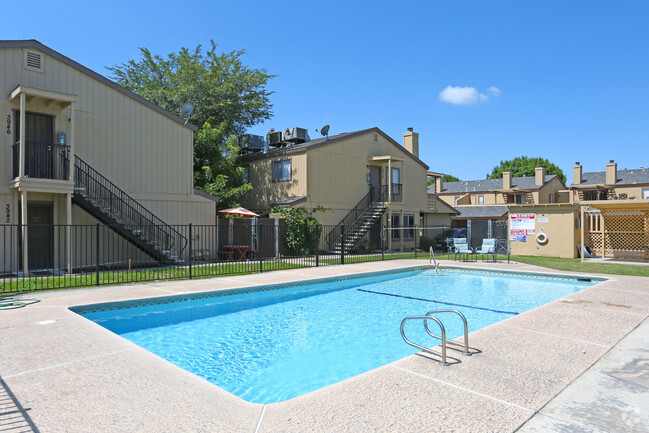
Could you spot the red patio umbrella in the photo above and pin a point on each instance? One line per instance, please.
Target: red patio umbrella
(239, 211)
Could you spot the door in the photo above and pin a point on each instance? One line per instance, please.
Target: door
(375, 179)
(40, 236)
(39, 141)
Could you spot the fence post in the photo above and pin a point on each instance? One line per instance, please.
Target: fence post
(416, 236)
(97, 251)
(190, 251)
(260, 242)
(342, 244)
(382, 242)
(317, 244)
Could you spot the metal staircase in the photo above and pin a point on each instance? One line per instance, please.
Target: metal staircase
(112, 206)
(358, 221)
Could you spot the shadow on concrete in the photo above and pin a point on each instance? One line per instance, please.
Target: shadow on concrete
(13, 416)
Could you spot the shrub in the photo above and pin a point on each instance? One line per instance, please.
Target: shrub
(425, 243)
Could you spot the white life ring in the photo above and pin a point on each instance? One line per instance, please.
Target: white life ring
(542, 238)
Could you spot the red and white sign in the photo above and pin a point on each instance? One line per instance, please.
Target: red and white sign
(522, 224)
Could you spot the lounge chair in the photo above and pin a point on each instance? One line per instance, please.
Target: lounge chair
(461, 246)
(588, 253)
(488, 247)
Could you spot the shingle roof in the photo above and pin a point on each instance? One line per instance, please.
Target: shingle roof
(624, 177)
(481, 211)
(485, 185)
(33, 43)
(322, 141)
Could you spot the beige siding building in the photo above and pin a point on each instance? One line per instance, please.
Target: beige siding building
(365, 170)
(76, 143)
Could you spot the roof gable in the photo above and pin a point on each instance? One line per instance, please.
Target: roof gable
(32, 43)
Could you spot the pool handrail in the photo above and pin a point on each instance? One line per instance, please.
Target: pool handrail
(425, 349)
(465, 346)
(432, 257)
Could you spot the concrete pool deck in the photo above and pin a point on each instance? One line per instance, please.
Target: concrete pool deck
(576, 364)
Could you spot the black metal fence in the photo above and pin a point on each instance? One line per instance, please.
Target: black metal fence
(62, 256)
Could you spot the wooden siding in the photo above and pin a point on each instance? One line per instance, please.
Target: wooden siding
(140, 150)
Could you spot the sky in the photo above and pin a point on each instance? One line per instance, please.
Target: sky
(480, 81)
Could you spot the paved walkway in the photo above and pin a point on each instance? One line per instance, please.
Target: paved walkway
(538, 370)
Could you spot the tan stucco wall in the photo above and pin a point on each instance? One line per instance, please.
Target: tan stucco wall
(560, 230)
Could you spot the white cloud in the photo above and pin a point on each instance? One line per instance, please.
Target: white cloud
(466, 95)
(495, 91)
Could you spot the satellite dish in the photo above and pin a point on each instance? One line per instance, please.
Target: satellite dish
(324, 130)
(187, 110)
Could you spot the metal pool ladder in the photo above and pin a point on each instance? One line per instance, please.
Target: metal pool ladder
(432, 258)
(429, 316)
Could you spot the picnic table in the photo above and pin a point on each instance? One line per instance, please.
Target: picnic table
(237, 252)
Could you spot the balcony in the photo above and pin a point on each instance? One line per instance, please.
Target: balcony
(391, 196)
(43, 161)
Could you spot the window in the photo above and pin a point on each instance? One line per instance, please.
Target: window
(396, 234)
(395, 175)
(281, 170)
(409, 224)
(456, 198)
(551, 198)
(645, 194)
(245, 177)
(480, 199)
(519, 199)
(376, 137)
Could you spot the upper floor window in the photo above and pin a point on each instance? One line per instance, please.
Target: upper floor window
(519, 198)
(281, 170)
(645, 194)
(395, 175)
(551, 198)
(480, 199)
(245, 177)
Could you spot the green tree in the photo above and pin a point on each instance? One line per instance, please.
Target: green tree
(524, 166)
(228, 98)
(445, 178)
(302, 229)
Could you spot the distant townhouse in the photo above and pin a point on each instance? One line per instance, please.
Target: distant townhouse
(610, 184)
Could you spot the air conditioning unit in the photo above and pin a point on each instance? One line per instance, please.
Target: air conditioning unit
(252, 142)
(296, 135)
(274, 138)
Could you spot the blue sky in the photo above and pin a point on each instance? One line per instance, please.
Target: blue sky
(564, 80)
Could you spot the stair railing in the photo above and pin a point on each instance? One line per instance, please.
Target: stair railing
(375, 195)
(126, 208)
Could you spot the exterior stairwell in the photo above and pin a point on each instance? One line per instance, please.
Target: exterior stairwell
(358, 221)
(102, 199)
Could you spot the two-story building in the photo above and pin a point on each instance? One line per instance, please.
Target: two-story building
(80, 149)
(361, 179)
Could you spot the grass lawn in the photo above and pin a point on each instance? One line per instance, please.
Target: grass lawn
(142, 275)
(575, 265)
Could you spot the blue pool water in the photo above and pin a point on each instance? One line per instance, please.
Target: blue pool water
(273, 345)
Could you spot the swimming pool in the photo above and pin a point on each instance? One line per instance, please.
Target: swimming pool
(273, 343)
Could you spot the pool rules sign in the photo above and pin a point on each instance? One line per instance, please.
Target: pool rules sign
(521, 225)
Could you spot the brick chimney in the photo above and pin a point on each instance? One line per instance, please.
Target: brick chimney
(411, 142)
(507, 180)
(611, 173)
(539, 176)
(439, 184)
(576, 174)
